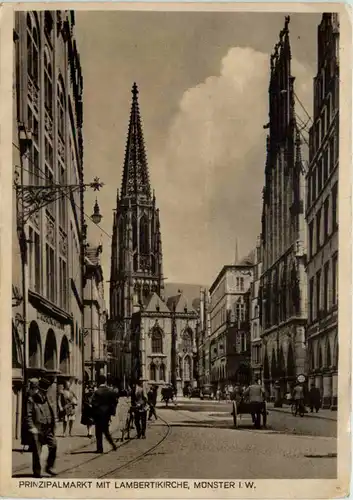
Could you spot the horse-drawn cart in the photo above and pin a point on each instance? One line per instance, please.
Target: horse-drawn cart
(258, 411)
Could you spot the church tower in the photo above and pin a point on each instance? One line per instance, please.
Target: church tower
(136, 261)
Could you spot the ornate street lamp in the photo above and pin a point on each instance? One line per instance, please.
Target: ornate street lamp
(96, 217)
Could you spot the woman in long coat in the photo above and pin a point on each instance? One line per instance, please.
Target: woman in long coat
(67, 407)
(87, 413)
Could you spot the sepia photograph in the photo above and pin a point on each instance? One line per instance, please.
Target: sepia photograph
(176, 249)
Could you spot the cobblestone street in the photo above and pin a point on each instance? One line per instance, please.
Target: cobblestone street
(197, 440)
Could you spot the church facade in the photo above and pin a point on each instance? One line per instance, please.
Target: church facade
(151, 333)
(283, 295)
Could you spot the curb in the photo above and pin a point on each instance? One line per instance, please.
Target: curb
(322, 417)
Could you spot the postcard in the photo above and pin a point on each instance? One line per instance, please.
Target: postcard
(176, 240)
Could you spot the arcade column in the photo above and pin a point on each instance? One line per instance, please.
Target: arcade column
(327, 391)
(318, 383)
(334, 391)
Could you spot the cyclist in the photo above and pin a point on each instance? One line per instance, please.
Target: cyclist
(298, 397)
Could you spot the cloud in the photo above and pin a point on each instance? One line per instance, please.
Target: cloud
(211, 169)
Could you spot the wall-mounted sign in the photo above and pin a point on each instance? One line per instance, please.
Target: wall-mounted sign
(301, 378)
(49, 320)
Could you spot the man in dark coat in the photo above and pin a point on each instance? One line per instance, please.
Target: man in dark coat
(139, 405)
(104, 403)
(41, 426)
(152, 401)
(256, 396)
(314, 398)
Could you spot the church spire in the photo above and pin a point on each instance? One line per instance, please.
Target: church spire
(135, 176)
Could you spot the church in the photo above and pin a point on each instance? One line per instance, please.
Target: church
(153, 325)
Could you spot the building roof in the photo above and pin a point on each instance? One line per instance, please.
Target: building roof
(154, 303)
(246, 262)
(135, 174)
(191, 292)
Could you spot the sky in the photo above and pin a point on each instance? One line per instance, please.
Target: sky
(203, 81)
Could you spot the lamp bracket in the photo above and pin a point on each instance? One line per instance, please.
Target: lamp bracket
(32, 198)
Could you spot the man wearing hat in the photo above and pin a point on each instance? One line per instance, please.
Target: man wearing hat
(41, 425)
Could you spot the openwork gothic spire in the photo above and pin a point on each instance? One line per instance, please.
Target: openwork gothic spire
(135, 176)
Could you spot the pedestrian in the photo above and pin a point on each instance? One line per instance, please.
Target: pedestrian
(218, 394)
(103, 407)
(87, 411)
(152, 401)
(139, 404)
(256, 396)
(298, 397)
(67, 407)
(226, 391)
(238, 393)
(314, 398)
(40, 418)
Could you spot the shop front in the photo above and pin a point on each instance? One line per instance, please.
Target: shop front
(49, 347)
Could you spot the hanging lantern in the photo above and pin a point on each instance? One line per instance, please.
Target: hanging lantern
(96, 216)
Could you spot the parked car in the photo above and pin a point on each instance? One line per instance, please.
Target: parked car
(206, 392)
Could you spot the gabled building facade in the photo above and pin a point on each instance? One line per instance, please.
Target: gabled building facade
(95, 345)
(322, 216)
(283, 281)
(203, 339)
(255, 324)
(229, 342)
(47, 150)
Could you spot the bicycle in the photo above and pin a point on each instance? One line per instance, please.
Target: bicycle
(297, 407)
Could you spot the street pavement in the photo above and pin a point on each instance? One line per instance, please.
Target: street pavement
(68, 446)
(196, 439)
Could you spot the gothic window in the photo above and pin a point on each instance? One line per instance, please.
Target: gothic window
(48, 83)
(134, 233)
(33, 156)
(157, 341)
(295, 291)
(187, 368)
(242, 342)
(144, 235)
(32, 50)
(153, 264)
(50, 272)
(178, 366)
(187, 340)
(152, 371)
(146, 290)
(274, 298)
(283, 295)
(61, 108)
(260, 302)
(162, 372)
(137, 293)
(135, 263)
